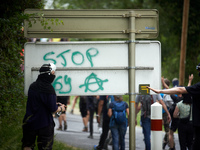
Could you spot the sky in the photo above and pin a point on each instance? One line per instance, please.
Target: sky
(48, 4)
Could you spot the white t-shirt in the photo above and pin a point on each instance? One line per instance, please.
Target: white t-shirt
(184, 110)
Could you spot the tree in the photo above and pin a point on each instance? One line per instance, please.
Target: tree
(170, 37)
(12, 43)
(12, 99)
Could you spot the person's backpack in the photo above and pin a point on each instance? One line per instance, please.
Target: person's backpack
(119, 112)
(167, 100)
(175, 99)
(146, 101)
(171, 109)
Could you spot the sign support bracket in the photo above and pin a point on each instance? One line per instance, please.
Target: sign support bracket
(141, 68)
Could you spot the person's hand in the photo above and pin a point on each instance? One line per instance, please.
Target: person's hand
(154, 90)
(162, 79)
(136, 121)
(59, 104)
(191, 77)
(98, 119)
(168, 118)
(128, 123)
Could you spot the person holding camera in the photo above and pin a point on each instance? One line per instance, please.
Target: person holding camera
(38, 121)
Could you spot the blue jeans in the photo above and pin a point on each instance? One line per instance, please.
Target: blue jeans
(118, 136)
(146, 127)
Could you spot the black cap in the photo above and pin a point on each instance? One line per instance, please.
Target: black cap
(45, 69)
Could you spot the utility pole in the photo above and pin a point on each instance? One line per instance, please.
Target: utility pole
(184, 42)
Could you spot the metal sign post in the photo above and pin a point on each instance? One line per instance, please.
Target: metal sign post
(132, 81)
(113, 24)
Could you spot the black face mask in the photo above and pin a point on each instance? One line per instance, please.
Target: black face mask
(43, 83)
(46, 77)
(51, 78)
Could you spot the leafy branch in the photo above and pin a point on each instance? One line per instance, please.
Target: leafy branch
(45, 22)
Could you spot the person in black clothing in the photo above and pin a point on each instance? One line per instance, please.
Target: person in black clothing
(83, 110)
(38, 121)
(185, 127)
(173, 125)
(194, 90)
(84, 113)
(103, 106)
(174, 121)
(92, 108)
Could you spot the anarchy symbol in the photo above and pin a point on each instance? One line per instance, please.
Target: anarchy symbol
(95, 80)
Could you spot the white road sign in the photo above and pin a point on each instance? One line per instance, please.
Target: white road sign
(148, 55)
(92, 68)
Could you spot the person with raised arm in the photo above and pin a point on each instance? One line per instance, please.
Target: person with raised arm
(194, 90)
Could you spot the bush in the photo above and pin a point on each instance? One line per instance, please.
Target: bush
(12, 99)
(11, 129)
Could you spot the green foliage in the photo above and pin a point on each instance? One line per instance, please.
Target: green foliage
(170, 15)
(60, 146)
(12, 101)
(46, 23)
(11, 130)
(12, 43)
(126, 98)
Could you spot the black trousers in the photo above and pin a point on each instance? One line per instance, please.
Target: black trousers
(196, 144)
(185, 134)
(44, 136)
(91, 120)
(104, 134)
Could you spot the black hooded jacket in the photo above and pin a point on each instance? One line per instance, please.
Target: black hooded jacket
(41, 103)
